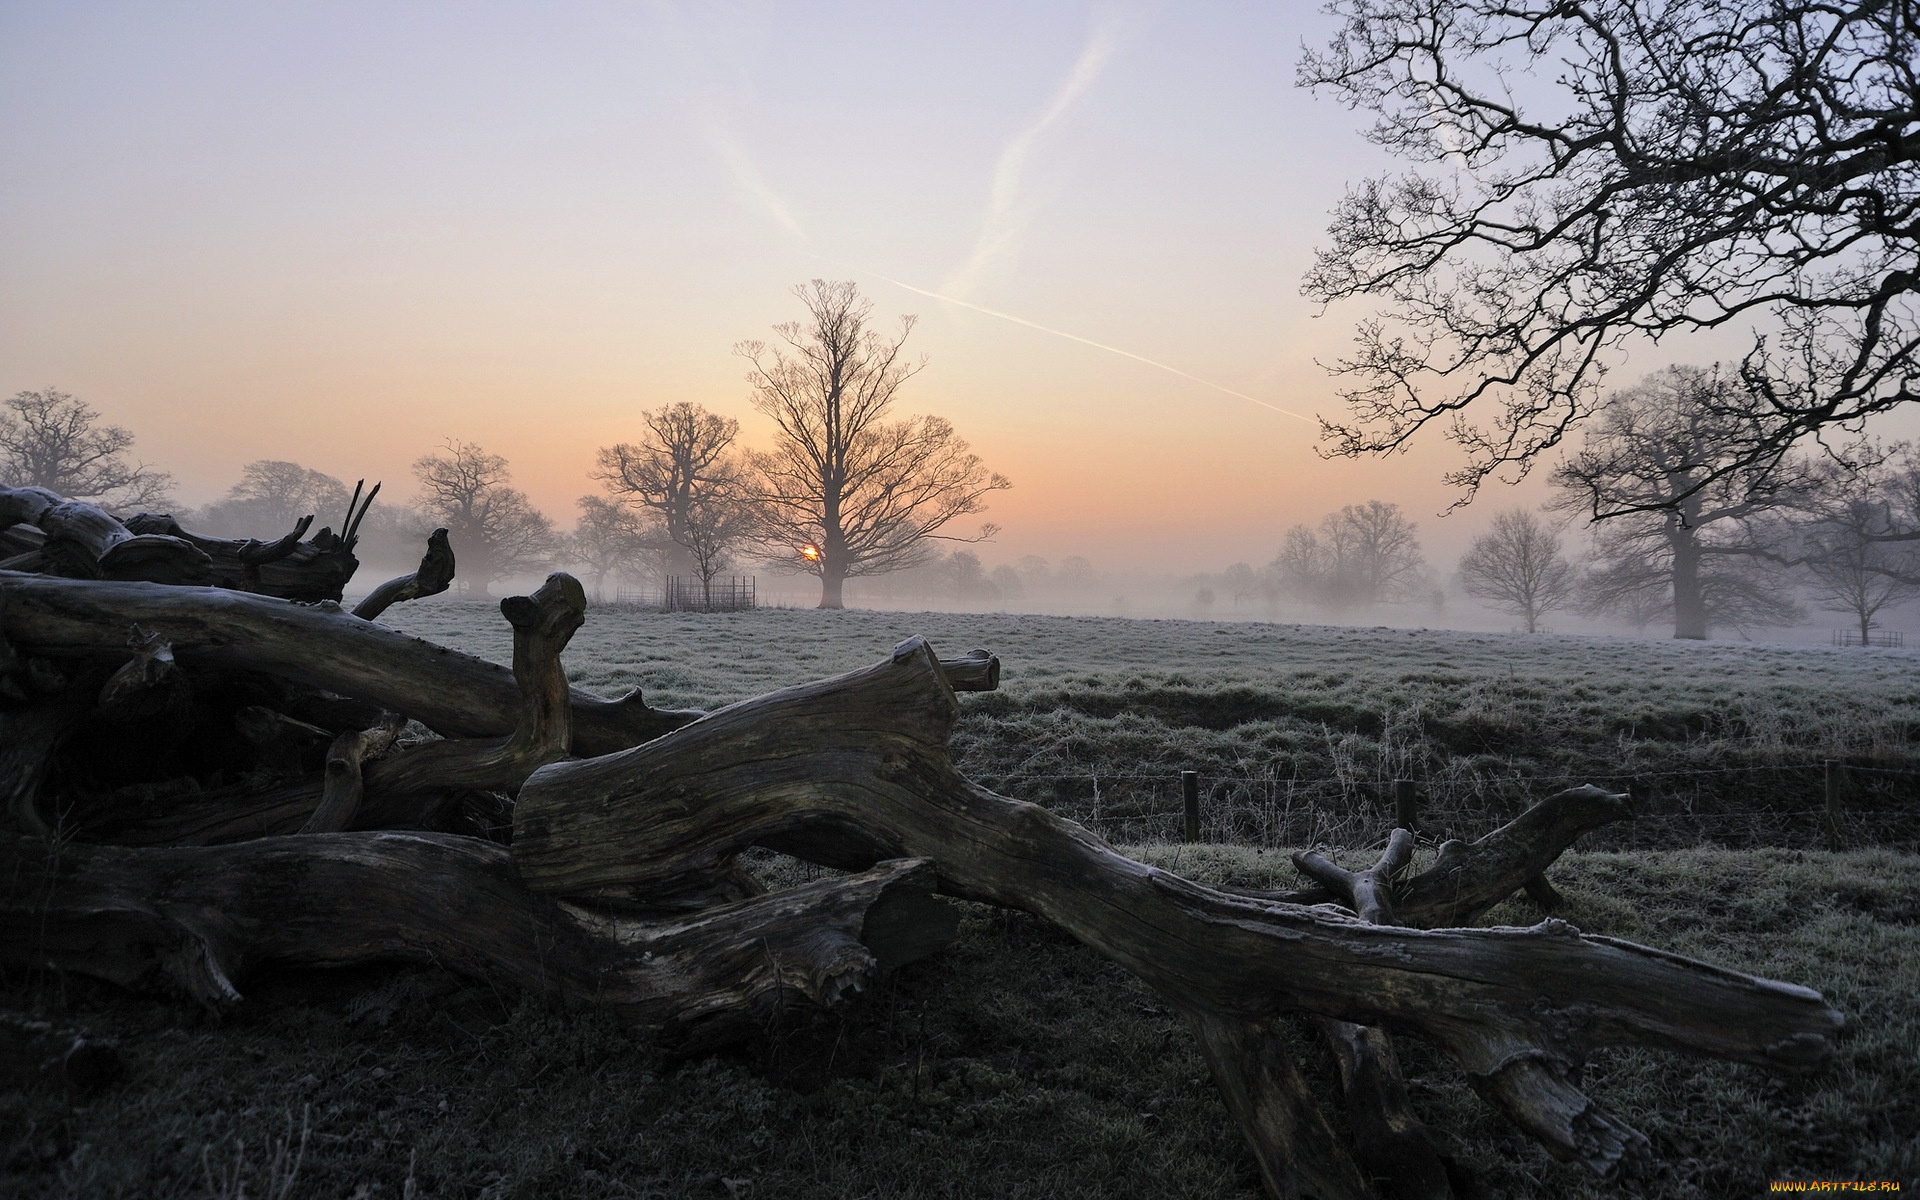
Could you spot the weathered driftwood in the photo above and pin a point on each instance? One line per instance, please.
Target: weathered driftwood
(199, 918)
(452, 693)
(974, 671)
(433, 576)
(31, 734)
(851, 772)
(321, 645)
(855, 768)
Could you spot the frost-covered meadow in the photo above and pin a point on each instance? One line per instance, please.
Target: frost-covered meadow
(1296, 728)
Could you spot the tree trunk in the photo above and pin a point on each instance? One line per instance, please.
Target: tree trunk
(336, 899)
(833, 580)
(854, 769)
(1689, 600)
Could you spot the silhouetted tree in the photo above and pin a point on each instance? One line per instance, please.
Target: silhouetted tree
(1007, 582)
(718, 520)
(845, 492)
(1689, 166)
(685, 461)
(1853, 557)
(1517, 568)
(1076, 574)
(495, 530)
(1686, 535)
(1364, 554)
(612, 539)
(49, 439)
(1242, 583)
(271, 496)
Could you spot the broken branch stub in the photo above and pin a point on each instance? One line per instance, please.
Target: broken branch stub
(433, 576)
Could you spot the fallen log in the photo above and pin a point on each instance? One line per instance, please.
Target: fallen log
(411, 789)
(84, 541)
(309, 571)
(321, 645)
(854, 769)
(1393, 1146)
(198, 919)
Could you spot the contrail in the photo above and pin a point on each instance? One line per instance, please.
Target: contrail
(998, 230)
(1074, 337)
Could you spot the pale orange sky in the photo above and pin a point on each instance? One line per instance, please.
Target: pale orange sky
(340, 234)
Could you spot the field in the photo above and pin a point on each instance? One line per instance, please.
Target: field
(1297, 729)
(1016, 1063)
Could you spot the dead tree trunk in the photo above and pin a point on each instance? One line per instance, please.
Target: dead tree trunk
(336, 899)
(855, 769)
(453, 693)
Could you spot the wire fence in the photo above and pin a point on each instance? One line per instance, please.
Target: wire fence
(1801, 804)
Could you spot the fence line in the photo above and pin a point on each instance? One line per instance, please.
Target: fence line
(1266, 808)
(1174, 772)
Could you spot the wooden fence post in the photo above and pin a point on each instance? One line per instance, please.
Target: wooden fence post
(1406, 805)
(1190, 798)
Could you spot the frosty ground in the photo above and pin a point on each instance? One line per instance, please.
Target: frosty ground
(1017, 1063)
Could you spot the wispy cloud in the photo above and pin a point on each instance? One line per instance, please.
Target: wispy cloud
(707, 40)
(1074, 337)
(1000, 227)
(746, 175)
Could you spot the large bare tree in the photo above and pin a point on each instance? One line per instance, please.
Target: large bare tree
(51, 440)
(1589, 175)
(683, 470)
(495, 530)
(1688, 530)
(1517, 568)
(845, 492)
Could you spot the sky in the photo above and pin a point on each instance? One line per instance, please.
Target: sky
(342, 233)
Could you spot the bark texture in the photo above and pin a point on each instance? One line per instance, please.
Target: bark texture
(197, 919)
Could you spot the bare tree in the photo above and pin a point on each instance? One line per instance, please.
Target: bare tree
(685, 460)
(1517, 568)
(270, 497)
(495, 530)
(1855, 560)
(49, 439)
(1743, 163)
(845, 492)
(1365, 554)
(718, 520)
(1686, 531)
(613, 539)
